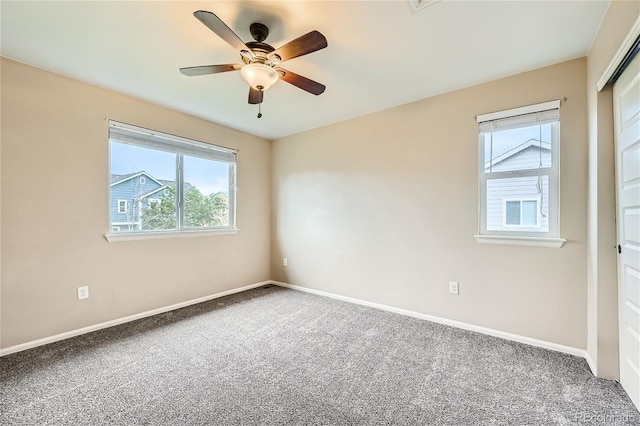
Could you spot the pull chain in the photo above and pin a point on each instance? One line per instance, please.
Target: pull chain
(261, 90)
(540, 183)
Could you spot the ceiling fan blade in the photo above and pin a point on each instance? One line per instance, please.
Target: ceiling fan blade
(255, 96)
(216, 25)
(302, 82)
(209, 69)
(307, 43)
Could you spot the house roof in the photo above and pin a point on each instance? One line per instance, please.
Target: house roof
(117, 179)
(148, 194)
(187, 186)
(535, 143)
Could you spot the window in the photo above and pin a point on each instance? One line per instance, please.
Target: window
(518, 172)
(522, 213)
(168, 183)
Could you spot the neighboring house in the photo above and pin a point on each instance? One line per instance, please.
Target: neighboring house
(129, 195)
(519, 203)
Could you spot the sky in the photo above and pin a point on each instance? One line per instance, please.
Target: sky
(212, 176)
(505, 140)
(206, 175)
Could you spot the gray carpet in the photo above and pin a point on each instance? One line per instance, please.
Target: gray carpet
(278, 356)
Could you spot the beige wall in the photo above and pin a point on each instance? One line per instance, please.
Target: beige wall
(384, 208)
(602, 277)
(0, 204)
(55, 180)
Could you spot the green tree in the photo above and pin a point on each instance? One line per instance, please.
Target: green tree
(205, 210)
(220, 202)
(161, 215)
(199, 210)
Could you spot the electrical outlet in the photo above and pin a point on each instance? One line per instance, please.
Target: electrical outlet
(453, 287)
(284, 261)
(83, 292)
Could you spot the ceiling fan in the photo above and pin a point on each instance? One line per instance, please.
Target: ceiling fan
(260, 67)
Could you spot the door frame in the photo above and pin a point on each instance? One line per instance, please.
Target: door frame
(620, 56)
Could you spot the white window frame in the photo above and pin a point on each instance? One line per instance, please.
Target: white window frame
(521, 200)
(522, 235)
(126, 207)
(151, 139)
(143, 180)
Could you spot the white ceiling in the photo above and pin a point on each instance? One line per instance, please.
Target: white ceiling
(380, 54)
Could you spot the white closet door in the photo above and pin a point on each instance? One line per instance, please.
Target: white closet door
(626, 93)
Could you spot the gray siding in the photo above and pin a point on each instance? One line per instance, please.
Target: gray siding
(522, 188)
(129, 190)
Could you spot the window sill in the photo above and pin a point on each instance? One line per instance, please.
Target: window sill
(132, 236)
(520, 241)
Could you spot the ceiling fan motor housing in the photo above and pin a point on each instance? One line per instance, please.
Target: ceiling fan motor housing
(260, 51)
(259, 31)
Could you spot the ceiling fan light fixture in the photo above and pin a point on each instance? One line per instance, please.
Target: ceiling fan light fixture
(260, 66)
(259, 76)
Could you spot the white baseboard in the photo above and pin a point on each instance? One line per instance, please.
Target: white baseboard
(592, 363)
(458, 324)
(100, 326)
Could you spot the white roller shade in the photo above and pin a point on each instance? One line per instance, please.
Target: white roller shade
(532, 115)
(133, 135)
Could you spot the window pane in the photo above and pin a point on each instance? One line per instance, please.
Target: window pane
(529, 213)
(513, 213)
(518, 190)
(206, 193)
(139, 175)
(524, 148)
